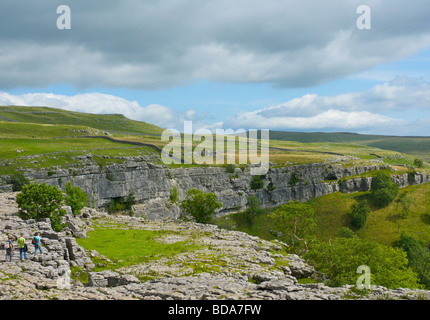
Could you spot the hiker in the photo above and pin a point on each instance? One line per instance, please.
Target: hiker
(9, 248)
(22, 247)
(37, 244)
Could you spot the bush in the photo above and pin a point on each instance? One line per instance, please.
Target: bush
(39, 201)
(383, 197)
(345, 232)
(294, 179)
(253, 209)
(122, 204)
(418, 255)
(383, 189)
(18, 180)
(75, 198)
(270, 186)
(296, 220)
(174, 195)
(340, 259)
(411, 175)
(419, 163)
(359, 212)
(405, 202)
(257, 182)
(229, 168)
(200, 205)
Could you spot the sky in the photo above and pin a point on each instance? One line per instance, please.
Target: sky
(274, 64)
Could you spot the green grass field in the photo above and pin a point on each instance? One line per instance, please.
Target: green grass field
(19, 154)
(125, 247)
(32, 130)
(414, 146)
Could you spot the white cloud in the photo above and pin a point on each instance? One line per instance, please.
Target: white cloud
(332, 120)
(382, 109)
(398, 107)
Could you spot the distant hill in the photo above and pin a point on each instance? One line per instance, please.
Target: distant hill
(107, 122)
(418, 146)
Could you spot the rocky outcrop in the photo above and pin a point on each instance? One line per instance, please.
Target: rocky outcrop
(152, 184)
(230, 265)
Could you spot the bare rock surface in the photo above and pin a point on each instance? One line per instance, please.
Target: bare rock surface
(227, 265)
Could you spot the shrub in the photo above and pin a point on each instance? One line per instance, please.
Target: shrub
(200, 205)
(383, 197)
(122, 204)
(257, 182)
(229, 168)
(418, 255)
(296, 221)
(18, 180)
(345, 232)
(383, 189)
(340, 259)
(39, 201)
(253, 209)
(270, 186)
(174, 195)
(76, 198)
(411, 175)
(294, 179)
(405, 202)
(359, 212)
(419, 163)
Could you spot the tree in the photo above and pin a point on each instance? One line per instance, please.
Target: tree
(18, 180)
(345, 232)
(296, 220)
(39, 201)
(75, 198)
(418, 255)
(359, 212)
(200, 205)
(257, 182)
(419, 163)
(383, 189)
(340, 259)
(253, 209)
(405, 203)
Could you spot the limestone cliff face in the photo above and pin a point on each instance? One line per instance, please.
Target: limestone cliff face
(153, 184)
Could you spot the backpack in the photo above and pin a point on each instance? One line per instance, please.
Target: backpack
(33, 241)
(7, 245)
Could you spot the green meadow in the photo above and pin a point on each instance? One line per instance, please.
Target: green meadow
(125, 247)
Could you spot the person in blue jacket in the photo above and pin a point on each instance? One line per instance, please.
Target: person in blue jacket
(37, 244)
(9, 248)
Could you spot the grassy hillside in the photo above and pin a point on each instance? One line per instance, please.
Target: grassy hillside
(41, 137)
(19, 154)
(34, 131)
(332, 212)
(107, 122)
(23, 130)
(416, 146)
